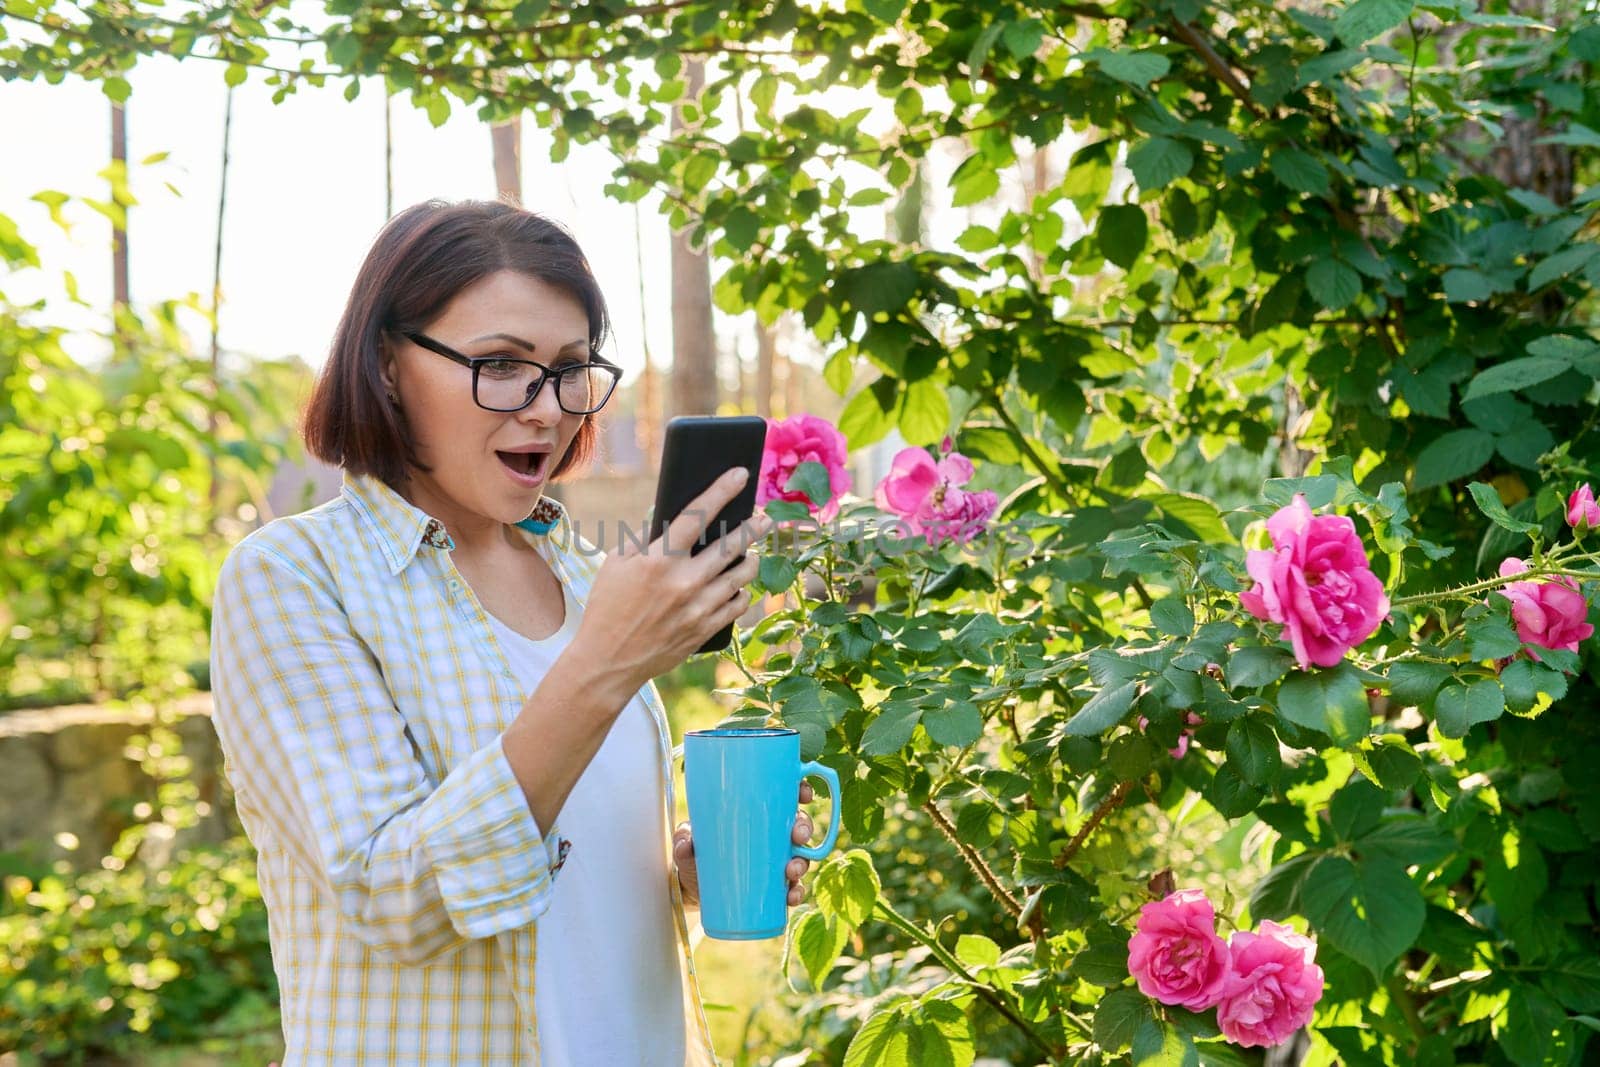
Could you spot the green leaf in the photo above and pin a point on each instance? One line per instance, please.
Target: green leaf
(1118, 1018)
(1230, 794)
(1525, 682)
(1491, 638)
(885, 1041)
(1197, 513)
(1172, 616)
(1452, 456)
(1414, 684)
(943, 1036)
(818, 940)
(1102, 963)
(777, 572)
(1460, 707)
(1156, 1044)
(979, 55)
(1122, 230)
(1514, 374)
(1332, 700)
(1464, 286)
(1356, 809)
(811, 478)
(925, 412)
(237, 73)
(1488, 501)
(1560, 265)
(1252, 747)
(785, 511)
(1394, 762)
(891, 729)
(957, 724)
(976, 950)
(1277, 895)
(1022, 39)
(1365, 19)
(1333, 284)
(1253, 666)
(1535, 1028)
(878, 287)
(846, 885)
(865, 420)
(1372, 912)
(1299, 170)
(1135, 68)
(1108, 707)
(1159, 161)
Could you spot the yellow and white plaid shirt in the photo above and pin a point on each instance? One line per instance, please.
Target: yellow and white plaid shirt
(360, 697)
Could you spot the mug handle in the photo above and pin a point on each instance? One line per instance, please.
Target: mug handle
(817, 852)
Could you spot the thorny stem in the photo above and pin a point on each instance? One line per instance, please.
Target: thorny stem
(975, 861)
(1106, 807)
(1471, 589)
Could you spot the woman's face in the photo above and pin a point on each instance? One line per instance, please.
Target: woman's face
(475, 454)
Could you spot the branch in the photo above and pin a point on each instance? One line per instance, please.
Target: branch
(1106, 807)
(1215, 63)
(1039, 463)
(975, 861)
(987, 992)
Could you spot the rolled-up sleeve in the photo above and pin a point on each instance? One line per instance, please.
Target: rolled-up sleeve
(322, 760)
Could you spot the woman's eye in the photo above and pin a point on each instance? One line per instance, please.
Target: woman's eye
(502, 368)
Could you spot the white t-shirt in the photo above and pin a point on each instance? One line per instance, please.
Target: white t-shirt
(607, 984)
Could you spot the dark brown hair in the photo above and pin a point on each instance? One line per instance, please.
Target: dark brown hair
(421, 259)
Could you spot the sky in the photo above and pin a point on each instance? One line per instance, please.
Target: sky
(305, 200)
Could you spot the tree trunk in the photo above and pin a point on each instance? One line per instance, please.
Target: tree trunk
(507, 140)
(694, 349)
(216, 287)
(388, 155)
(119, 234)
(648, 418)
(766, 355)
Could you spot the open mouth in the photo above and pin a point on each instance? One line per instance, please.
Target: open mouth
(526, 465)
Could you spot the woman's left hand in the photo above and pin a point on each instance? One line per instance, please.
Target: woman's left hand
(689, 877)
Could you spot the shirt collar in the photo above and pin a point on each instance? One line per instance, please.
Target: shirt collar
(400, 528)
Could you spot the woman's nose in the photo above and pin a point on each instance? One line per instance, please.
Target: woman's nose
(546, 408)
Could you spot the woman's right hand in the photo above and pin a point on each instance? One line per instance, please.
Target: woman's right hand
(649, 609)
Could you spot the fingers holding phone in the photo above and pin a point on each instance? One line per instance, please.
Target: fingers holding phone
(682, 592)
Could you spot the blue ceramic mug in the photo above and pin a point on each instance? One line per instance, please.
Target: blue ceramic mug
(744, 789)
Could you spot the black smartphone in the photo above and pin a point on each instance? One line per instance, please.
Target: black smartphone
(697, 450)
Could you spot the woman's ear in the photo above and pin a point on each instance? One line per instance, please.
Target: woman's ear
(386, 368)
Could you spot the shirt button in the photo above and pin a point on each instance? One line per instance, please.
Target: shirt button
(454, 584)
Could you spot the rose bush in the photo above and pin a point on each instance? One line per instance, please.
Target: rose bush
(986, 690)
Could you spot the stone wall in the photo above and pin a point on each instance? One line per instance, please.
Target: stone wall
(65, 771)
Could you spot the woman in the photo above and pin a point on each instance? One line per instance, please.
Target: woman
(435, 700)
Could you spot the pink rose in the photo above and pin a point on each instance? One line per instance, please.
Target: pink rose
(1550, 613)
(1583, 514)
(927, 494)
(1176, 955)
(1272, 986)
(1316, 581)
(796, 440)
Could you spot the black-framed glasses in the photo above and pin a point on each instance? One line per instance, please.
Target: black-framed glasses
(503, 384)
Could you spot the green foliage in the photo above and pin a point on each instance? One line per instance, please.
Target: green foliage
(98, 963)
(110, 531)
